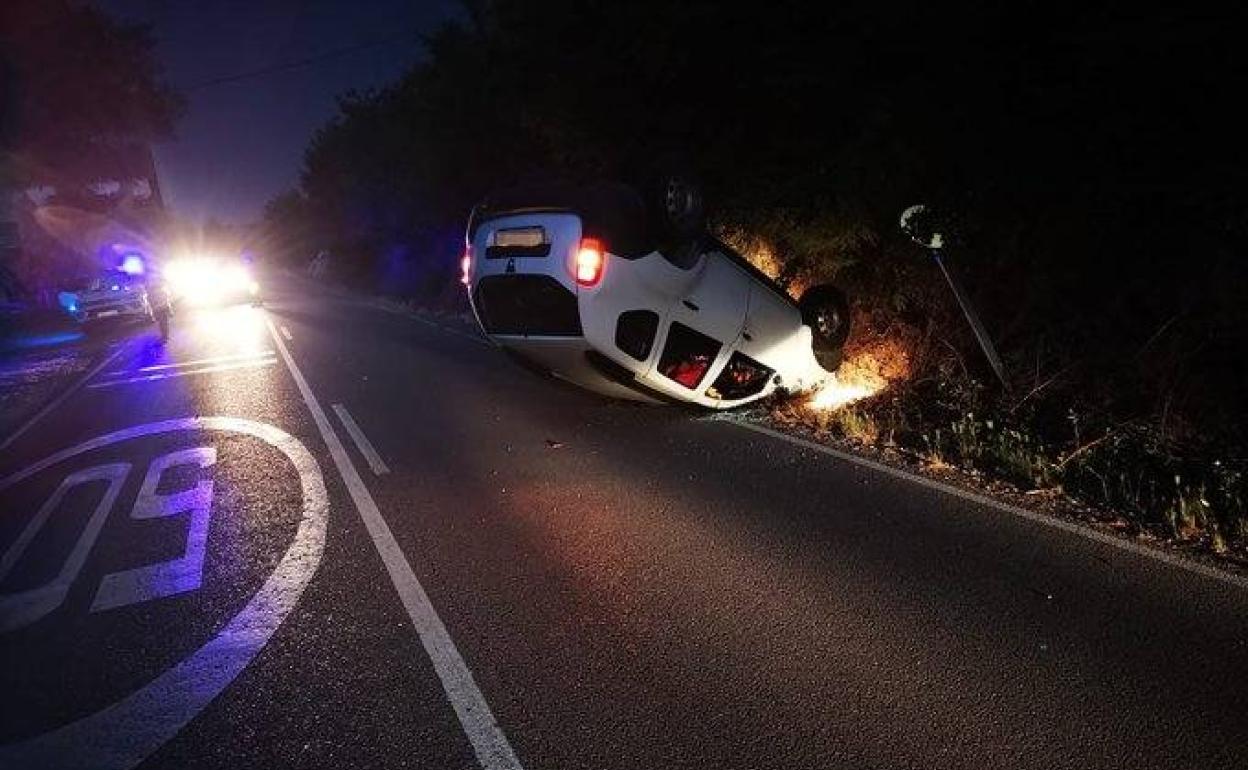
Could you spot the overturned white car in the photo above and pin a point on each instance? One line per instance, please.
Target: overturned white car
(632, 299)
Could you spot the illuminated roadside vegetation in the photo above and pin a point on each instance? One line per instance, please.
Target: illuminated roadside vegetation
(910, 391)
(1091, 161)
(1128, 475)
(903, 396)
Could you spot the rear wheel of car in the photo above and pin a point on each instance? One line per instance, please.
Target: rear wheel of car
(825, 310)
(677, 214)
(677, 202)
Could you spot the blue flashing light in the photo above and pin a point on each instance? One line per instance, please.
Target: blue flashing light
(132, 265)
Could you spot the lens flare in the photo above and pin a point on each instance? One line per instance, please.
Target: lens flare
(863, 374)
(238, 329)
(833, 394)
(208, 280)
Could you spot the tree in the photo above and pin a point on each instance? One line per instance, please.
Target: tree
(1092, 158)
(286, 234)
(84, 96)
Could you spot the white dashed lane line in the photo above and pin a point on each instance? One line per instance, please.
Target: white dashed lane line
(361, 441)
(489, 743)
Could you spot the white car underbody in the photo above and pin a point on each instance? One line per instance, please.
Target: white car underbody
(714, 334)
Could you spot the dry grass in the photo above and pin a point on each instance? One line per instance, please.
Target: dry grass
(759, 251)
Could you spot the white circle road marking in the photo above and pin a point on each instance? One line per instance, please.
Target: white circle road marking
(123, 734)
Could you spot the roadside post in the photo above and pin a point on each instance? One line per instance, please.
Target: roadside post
(916, 222)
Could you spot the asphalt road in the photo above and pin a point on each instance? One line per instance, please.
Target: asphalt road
(201, 567)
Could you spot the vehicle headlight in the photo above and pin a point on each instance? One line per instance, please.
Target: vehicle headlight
(205, 280)
(178, 276)
(236, 277)
(194, 279)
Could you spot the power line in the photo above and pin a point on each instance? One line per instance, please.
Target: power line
(298, 63)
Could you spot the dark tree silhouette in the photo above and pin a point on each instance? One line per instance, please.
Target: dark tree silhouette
(83, 94)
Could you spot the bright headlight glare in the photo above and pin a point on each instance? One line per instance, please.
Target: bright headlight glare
(236, 276)
(201, 280)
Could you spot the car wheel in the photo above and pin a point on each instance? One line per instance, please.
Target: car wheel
(825, 310)
(678, 204)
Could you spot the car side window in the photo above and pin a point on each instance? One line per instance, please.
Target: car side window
(687, 356)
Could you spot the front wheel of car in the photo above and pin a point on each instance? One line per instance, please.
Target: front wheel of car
(825, 310)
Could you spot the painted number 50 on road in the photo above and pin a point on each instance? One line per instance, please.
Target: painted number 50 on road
(118, 589)
(120, 735)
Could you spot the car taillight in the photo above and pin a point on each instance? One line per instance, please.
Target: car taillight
(465, 266)
(590, 261)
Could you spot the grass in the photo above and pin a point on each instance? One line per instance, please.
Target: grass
(1129, 474)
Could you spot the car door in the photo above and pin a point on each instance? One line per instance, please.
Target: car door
(773, 325)
(705, 322)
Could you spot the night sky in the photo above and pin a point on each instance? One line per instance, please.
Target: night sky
(240, 143)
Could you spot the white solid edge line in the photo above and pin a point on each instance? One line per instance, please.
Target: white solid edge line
(1174, 560)
(466, 335)
(361, 441)
(490, 745)
(450, 330)
(61, 398)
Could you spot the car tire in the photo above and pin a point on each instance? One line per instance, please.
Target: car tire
(677, 202)
(825, 309)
